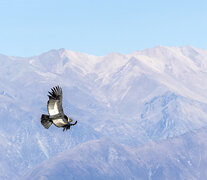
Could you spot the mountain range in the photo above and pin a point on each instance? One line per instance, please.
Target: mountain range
(139, 105)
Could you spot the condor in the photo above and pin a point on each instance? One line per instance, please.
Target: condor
(56, 115)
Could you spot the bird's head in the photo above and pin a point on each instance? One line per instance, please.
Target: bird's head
(70, 120)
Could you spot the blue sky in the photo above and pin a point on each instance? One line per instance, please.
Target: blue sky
(31, 27)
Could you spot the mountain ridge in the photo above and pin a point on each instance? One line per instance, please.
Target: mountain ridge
(175, 158)
(132, 99)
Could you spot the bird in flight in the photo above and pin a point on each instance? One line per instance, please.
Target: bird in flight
(56, 115)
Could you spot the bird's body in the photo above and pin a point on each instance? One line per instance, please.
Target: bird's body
(59, 122)
(56, 115)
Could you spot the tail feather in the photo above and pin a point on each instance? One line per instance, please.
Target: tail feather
(45, 121)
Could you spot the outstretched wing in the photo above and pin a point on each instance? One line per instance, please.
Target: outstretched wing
(54, 105)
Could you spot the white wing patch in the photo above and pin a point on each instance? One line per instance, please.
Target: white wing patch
(53, 110)
(59, 122)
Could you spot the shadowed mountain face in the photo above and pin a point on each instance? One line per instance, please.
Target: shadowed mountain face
(182, 157)
(133, 99)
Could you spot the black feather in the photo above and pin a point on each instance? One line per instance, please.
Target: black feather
(45, 121)
(55, 93)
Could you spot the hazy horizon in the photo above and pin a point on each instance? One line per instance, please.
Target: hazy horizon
(30, 28)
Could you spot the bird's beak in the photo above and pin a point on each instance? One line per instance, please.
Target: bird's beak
(70, 120)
